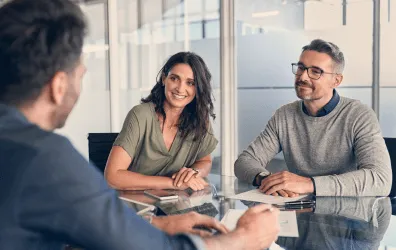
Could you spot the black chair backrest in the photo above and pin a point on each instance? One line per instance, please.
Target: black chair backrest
(99, 147)
(393, 202)
(391, 145)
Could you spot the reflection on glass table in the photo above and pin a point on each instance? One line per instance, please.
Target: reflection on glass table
(342, 223)
(334, 223)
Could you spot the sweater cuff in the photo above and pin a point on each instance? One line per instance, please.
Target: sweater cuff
(314, 185)
(246, 169)
(254, 183)
(324, 186)
(252, 174)
(260, 179)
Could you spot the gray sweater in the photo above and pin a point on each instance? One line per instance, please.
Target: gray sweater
(343, 151)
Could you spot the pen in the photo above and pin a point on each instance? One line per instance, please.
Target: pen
(296, 206)
(299, 202)
(288, 208)
(300, 205)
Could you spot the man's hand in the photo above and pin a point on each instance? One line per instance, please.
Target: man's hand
(285, 181)
(186, 223)
(184, 175)
(285, 193)
(259, 226)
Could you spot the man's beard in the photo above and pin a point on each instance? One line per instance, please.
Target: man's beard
(59, 118)
(298, 92)
(64, 111)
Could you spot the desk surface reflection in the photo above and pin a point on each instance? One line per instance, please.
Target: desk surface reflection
(336, 222)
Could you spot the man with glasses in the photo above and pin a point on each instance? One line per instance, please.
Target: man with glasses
(332, 144)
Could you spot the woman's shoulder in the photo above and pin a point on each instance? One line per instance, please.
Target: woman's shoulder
(209, 133)
(143, 110)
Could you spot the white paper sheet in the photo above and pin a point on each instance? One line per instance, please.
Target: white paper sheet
(287, 221)
(256, 195)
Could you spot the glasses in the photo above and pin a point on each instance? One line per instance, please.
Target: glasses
(313, 72)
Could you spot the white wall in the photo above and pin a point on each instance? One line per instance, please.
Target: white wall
(92, 111)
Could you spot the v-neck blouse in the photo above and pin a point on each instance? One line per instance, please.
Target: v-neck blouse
(142, 139)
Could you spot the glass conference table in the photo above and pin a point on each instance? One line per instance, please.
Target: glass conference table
(336, 222)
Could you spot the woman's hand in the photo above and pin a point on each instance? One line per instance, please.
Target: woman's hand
(184, 175)
(196, 184)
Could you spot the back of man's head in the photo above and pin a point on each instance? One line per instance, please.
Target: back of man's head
(38, 38)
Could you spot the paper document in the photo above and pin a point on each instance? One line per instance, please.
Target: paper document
(256, 195)
(287, 221)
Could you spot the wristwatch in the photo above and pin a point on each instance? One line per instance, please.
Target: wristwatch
(260, 177)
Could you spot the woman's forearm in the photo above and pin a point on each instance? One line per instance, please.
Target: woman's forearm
(127, 180)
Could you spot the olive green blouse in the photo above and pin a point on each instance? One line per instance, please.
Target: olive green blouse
(141, 137)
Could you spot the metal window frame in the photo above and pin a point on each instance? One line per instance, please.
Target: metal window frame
(376, 57)
(228, 88)
(115, 110)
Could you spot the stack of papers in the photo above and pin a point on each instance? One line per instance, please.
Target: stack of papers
(257, 196)
(287, 221)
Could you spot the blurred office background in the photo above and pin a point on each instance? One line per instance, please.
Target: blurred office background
(130, 40)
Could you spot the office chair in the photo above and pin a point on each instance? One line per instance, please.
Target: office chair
(391, 145)
(99, 146)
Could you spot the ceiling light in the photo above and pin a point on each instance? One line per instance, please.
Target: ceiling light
(265, 14)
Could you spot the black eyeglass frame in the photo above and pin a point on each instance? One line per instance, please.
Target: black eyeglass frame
(297, 65)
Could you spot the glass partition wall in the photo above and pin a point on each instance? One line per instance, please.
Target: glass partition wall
(129, 41)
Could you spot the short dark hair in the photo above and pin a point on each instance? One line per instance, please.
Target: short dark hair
(195, 116)
(330, 49)
(37, 39)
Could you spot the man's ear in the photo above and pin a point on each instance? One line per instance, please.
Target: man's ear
(58, 87)
(338, 80)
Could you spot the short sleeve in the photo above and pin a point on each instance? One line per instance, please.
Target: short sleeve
(129, 136)
(209, 144)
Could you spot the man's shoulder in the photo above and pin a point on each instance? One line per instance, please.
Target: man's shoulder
(289, 108)
(37, 153)
(55, 157)
(57, 141)
(346, 101)
(46, 141)
(34, 138)
(59, 150)
(353, 107)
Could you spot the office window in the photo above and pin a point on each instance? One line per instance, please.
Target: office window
(150, 32)
(95, 93)
(270, 35)
(388, 69)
